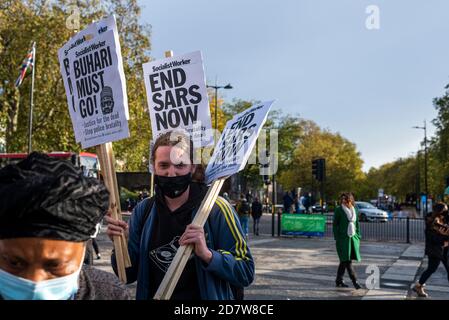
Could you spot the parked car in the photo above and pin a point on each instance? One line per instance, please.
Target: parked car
(317, 208)
(368, 212)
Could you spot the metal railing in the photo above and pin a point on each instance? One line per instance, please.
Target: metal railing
(408, 230)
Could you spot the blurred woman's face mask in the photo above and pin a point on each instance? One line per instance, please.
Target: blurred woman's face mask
(17, 288)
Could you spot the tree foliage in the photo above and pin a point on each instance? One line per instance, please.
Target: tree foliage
(300, 141)
(343, 162)
(47, 23)
(406, 176)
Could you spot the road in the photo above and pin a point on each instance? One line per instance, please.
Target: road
(302, 268)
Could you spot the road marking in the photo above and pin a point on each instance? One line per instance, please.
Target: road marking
(256, 242)
(297, 275)
(382, 294)
(403, 270)
(398, 277)
(322, 251)
(436, 288)
(287, 250)
(379, 257)
(414, 251)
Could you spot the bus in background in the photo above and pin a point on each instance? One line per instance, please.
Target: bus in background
(88, 162)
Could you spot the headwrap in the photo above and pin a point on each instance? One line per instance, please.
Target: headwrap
(46, 197)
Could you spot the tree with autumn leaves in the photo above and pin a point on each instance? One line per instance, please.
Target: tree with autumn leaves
(299, 142)
(405, 176)
(50, 24)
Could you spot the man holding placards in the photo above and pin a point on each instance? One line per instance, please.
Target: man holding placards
(161, 224)
(221, 256)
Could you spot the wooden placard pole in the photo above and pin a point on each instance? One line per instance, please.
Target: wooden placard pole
(107, 163)
(152, 185)
(123, 241)
(179, 262)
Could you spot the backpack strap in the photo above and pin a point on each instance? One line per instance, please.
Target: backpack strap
(148, 206)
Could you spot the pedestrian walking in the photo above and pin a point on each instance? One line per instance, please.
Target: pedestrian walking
(346, 230)
(307, 202)
(92, 247)
(249, 197)
(256, 213)
(436, 247)
(288, 202)
(95, 243)
(244, 212)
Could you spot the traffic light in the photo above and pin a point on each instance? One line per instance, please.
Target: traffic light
(266, 178)
(319, 169)
(315, 168)
(322, 170)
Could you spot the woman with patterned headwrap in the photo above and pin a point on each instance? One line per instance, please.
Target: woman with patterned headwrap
(48, 211)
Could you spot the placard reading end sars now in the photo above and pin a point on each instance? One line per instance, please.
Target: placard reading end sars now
(237, 141)
(177, 97)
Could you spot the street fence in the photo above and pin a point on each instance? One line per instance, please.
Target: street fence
(397, 229)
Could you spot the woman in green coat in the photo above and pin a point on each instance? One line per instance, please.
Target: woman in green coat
(346, 229)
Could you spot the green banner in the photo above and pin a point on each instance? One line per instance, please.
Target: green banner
(303, 224)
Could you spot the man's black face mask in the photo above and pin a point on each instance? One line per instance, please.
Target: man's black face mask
(173, 187)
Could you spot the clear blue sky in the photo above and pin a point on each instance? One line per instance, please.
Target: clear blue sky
(318, 60)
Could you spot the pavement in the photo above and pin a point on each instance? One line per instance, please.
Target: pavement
(302, 268)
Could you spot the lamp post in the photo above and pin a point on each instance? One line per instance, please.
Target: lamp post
(228, 86)
(425, 162)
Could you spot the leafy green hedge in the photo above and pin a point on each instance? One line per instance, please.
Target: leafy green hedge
(126, 194)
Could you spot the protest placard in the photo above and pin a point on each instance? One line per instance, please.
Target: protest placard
(237, 141)
(98, 98)
(90, 61)
(92, 70)
(177, 97)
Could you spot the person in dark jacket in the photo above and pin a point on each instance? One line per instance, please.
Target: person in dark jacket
(288, 202)
(244, 212)
(221, 260)
(437, 242)
(48, 212)
(256, 213)
(346, 230)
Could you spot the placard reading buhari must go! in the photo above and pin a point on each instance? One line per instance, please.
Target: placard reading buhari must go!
(95, 85)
